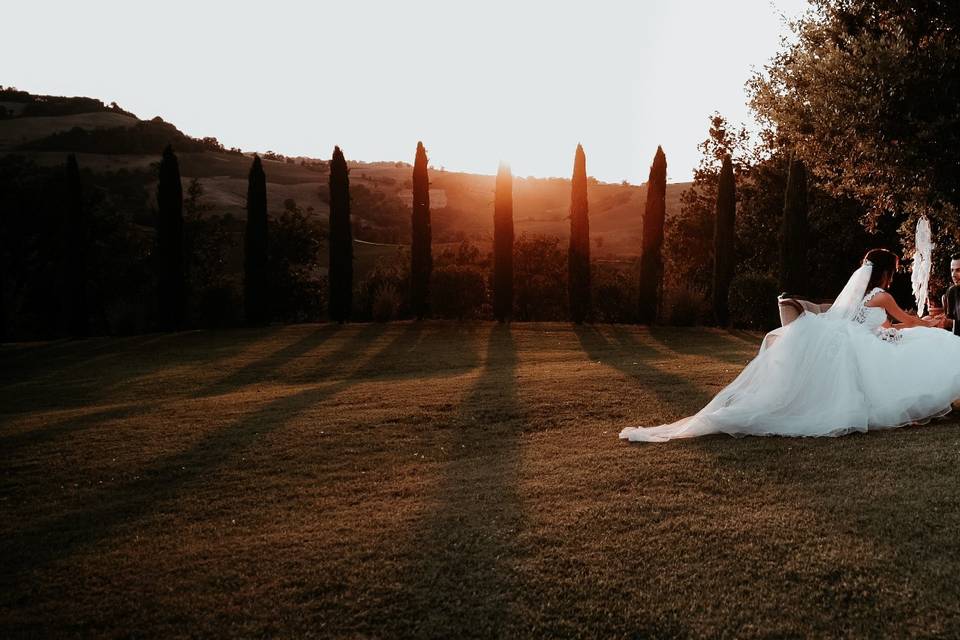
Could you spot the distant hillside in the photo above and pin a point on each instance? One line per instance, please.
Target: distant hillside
(106, 138)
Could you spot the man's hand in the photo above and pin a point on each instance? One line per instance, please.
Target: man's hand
(939, 321)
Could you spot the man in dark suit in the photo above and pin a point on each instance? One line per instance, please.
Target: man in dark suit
(951, 299)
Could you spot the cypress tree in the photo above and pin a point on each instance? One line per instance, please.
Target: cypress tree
(341, 240)
(793, 232)
(503, 245)
(3, 305)
(76, 242)
(651, 250)
(578, 278)
(255, 289)
(421, 257)
(724, 236)
(170, 277)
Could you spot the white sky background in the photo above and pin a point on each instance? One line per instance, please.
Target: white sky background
(478, 82)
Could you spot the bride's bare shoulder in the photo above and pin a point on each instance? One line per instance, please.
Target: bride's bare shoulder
(878, 298)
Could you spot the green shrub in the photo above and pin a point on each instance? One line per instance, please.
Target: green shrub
(753, 302)
(539, 278)
(458, 291)
(392, 272)
(220, 306)
(386, 303)
(687, 307)
(614, 290)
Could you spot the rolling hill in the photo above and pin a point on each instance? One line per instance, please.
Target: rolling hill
(44, 128)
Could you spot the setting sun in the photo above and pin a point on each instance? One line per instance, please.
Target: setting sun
(523, 81)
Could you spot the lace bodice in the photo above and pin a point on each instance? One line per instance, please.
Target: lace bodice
(874, 317)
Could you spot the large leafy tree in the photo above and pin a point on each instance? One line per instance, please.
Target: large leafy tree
(865, 96)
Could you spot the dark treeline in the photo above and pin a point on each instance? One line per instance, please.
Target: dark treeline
(40, 105)
(142, 137)
(789, 234)
(75, 252)
(794, 212)
(182, 265)
(103, 253)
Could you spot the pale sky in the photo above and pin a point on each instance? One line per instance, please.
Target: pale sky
(479, 82)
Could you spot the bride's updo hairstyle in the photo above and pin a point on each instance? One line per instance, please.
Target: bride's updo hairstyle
(885, 264)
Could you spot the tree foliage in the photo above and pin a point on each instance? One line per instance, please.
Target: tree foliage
(651, 252)
(865, 96)
(794, 232)
(578, 280)
(421, 255)
(341, 240)
(724, 249)
(35, 257)
(688, 242)
(256, 243)
(540, 267)
(293, 257)
(503, 245)
(171, 286)
(76, 228)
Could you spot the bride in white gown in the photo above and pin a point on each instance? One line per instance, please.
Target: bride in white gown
(837, 372)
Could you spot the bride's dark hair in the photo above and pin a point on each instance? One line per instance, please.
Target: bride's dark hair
(885, 264)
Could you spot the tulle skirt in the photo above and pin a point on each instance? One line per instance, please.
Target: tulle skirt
(827, 376)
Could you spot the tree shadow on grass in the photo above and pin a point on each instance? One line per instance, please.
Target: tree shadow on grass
(169, 477)
(32, 370)
(751, 338)
(461, 580)
(21, 359)
(267, 367)
(632, 358)
(163, 481)
(707, 343)
(877, 515)
(56, 430)
(245, 376)
(86, 374)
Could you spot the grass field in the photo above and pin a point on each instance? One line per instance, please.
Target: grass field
(449, 480)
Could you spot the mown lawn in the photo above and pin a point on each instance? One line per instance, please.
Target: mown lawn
(449, 480)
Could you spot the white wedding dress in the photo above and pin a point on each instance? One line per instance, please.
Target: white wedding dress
(831, 374)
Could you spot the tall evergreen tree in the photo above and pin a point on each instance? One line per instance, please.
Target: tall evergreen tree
(578, 278)
(340, 276)
(724, 238)
(76, 242)
(170, 276)
(793, 231)
(651, 250)
(503, 245)
(255, 288)
(421, 257)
